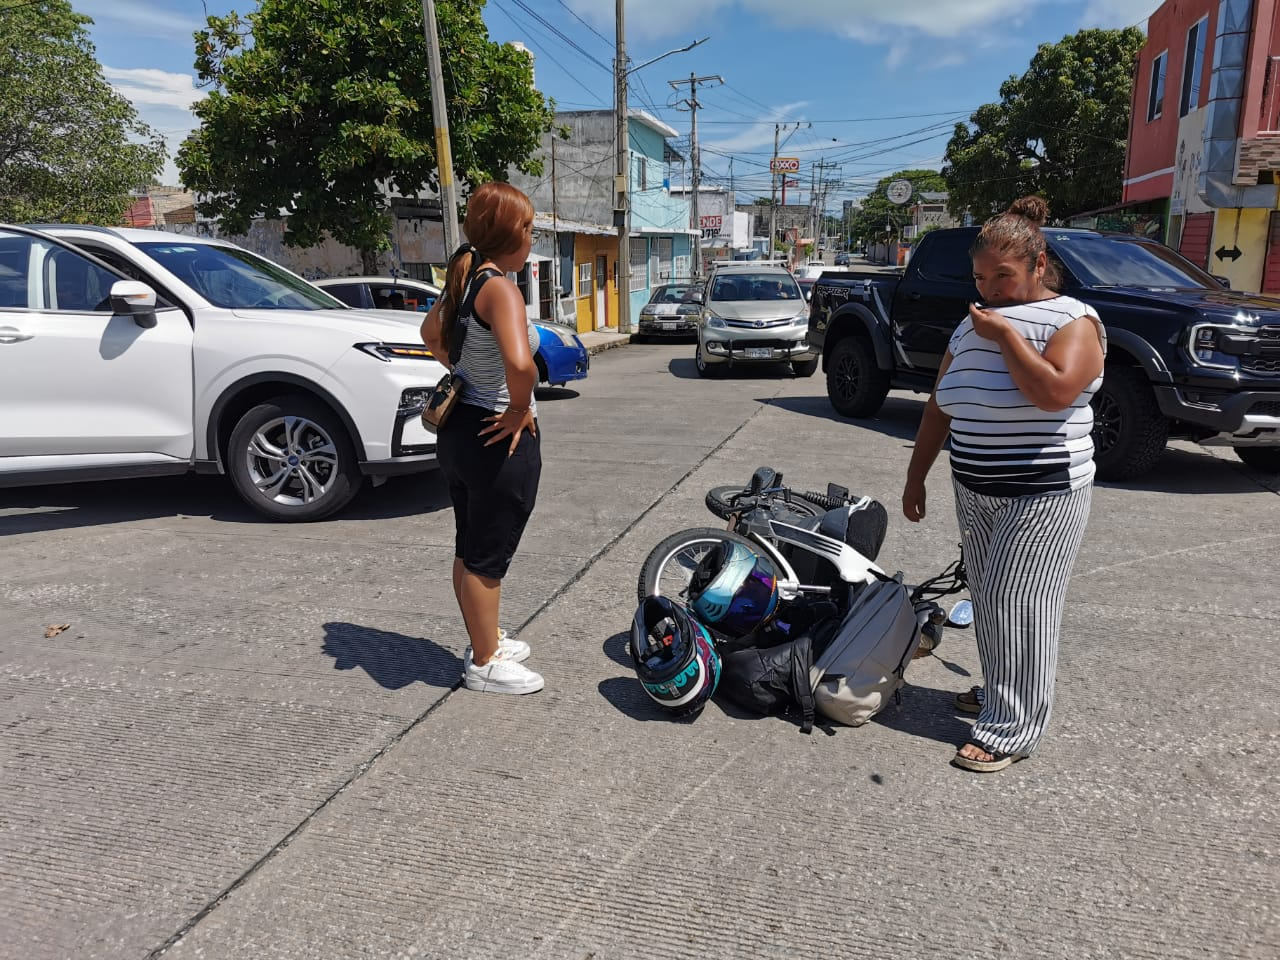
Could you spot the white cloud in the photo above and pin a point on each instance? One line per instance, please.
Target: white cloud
(154, 87)
(143, 17)
(870, 21)
(1118, 13)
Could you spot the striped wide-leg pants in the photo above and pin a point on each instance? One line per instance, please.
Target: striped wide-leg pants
(1018, 552)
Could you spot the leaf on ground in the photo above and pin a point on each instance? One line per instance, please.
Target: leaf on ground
(54, 629)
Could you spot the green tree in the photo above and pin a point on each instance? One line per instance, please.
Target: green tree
(329, 107)
(878, 218)
(1059, 130)
(71, 148)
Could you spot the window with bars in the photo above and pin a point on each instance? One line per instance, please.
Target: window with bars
(639, 264)
(665, 249)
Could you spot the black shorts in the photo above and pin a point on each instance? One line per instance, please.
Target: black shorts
(493, 494)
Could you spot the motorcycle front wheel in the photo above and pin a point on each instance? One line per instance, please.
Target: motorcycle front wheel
(668, 569)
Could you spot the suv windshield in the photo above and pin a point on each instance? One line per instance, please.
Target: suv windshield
(754, 286)
(236, 279)
(1102, 262)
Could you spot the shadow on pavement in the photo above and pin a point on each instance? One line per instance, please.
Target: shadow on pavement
(555, 393)
(615, 648)
(927, 713)
(1193, 472)
(67, 506)
(688, 370)
(629, 697)
(899, 417)
(392, 660)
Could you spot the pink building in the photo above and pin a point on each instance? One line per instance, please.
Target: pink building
(1204, 134)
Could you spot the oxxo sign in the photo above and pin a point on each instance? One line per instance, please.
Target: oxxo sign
(784, 165)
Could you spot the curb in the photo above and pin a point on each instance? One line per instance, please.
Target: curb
(619, 340)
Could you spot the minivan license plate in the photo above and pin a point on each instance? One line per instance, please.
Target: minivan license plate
(758, 353)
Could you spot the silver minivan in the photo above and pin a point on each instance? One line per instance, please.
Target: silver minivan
(753, 313)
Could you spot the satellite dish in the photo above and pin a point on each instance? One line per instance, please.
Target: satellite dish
(899, 192)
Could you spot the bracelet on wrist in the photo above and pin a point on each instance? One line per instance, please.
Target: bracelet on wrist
(517, 410)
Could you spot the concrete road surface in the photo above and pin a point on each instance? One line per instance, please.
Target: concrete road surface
(248, 741)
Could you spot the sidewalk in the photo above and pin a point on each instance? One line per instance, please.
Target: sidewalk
(597, 341)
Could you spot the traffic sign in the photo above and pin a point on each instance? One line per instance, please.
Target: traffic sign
(784, 165)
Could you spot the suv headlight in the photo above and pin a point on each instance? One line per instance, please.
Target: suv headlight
(801, 319)
(715, 322)
(396, 351)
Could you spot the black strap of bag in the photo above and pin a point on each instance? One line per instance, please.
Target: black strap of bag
(801, 687)
(460, 328)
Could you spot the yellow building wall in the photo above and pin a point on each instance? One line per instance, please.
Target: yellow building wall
(585, 250)
(1245, 229)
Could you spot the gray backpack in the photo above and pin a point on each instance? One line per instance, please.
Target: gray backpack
(863, 664)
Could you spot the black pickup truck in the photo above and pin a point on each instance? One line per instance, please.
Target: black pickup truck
(1186, 357)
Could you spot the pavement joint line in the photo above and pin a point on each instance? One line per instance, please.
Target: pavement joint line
(1173, 553)
(367, 765)
(600, 554)
(361, 769)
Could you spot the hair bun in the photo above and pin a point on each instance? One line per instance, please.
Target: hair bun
(1033, 208)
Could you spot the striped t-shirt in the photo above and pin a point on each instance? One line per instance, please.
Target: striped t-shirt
(1002, 444)
(484, 376)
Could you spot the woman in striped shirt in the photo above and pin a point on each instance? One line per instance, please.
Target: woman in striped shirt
(1013, 394)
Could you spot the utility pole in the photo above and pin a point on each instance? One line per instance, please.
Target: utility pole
(773, 182)
(440, 116)
(622, 175)
(813, 197)
(692, 101)
(820, 208)
(773, 195)
(557, 281)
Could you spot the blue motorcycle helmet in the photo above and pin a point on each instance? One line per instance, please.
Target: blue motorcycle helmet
(674, 655)
(734, 590)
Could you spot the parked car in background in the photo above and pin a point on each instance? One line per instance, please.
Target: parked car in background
(127, 353)
(560, 356)
(672, 310)
(806, 286)
(842, 259)
(753, 314)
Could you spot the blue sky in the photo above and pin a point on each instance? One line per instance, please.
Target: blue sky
(869, 86)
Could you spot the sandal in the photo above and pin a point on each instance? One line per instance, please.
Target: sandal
(998, 761)
(971, 700)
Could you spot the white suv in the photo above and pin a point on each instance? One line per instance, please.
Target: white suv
(163, 353)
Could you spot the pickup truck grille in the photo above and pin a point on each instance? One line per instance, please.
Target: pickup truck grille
(1260, 365)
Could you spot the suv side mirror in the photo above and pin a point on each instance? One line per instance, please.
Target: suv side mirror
(135, 299)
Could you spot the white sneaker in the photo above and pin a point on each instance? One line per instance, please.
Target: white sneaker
(501, 675)
(509, 647)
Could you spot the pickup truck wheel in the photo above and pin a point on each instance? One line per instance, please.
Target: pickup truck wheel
(1262, 459)
(1129, 431)
(291, 460)
(804, 368)
(856, 385)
